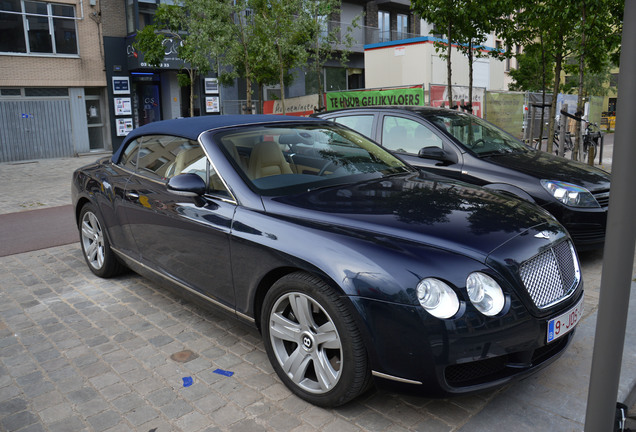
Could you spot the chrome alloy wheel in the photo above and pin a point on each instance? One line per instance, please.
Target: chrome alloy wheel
(306, 342)
(93, 240)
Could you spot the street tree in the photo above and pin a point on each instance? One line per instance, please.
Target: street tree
(195, 28)
(533, 73)
(553, 23)
(327, 41)
(284, 37)
(447, 16)
(244, 49)
(601, 24)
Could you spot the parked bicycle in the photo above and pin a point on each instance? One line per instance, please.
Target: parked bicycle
(568, 145)
(592, 137)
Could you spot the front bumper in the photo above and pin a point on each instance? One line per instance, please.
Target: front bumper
(413, 351)
(585, 226)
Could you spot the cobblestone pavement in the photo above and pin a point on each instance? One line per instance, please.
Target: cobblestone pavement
(41, 183)
(79, 353)
(82, 353)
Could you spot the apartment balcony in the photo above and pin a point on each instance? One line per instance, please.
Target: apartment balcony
(362, 35)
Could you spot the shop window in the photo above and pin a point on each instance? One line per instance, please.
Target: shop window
(335, 79)
(50, 28)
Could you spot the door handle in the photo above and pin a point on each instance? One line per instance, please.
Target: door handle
(132, 195)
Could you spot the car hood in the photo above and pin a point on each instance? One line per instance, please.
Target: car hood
(428, 210)
(546, 166)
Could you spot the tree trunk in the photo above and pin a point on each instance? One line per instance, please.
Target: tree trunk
(579, 101)
(321, 91)
(448, 68)
(248, 82)
(543, 86)
(192, 74)
(470, 75)
(282, 80)
(557, 82)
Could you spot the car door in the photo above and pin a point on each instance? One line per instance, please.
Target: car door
(406, 136)
(183, 238)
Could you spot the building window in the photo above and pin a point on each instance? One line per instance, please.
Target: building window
(613, 80)
(45, 92)
(402, 26)
(10, 92)
(507, 60)
(384, 26)
(50, 28)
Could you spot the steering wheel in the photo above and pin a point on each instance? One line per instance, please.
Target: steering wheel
(477, 143)
(324, 167)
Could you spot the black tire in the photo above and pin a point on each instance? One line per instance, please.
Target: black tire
(100, 258)
(296, 341)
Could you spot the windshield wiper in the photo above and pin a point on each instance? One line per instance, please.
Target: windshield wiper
(500, 152)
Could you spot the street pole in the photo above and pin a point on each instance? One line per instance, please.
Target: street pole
(618, 257)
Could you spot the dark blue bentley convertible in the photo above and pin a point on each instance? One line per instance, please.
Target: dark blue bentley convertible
(354, 266)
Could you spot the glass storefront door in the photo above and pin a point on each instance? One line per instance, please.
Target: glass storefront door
(148, 103)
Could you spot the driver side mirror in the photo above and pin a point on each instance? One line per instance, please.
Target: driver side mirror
(187, 184)
(434, 153)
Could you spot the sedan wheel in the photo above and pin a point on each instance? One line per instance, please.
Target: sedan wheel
(99, 257)
(312, 341)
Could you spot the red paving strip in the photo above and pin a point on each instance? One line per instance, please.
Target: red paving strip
(37, 229)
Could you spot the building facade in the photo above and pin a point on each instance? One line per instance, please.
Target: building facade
(52, 80)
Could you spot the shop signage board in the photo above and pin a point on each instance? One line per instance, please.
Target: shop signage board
(365, 98)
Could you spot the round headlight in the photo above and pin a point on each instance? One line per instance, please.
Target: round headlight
(570, 194)
(485, 294)
(437, 298)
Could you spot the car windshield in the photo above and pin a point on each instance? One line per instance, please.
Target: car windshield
(476, 134)
(285, 159)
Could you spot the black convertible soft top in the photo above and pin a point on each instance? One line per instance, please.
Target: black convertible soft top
(192, 127)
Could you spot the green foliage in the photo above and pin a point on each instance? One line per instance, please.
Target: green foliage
(195, 28)
(326, 41)
(532, 74)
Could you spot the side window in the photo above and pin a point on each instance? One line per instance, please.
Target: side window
(129, 156)
(359, 123)
(157, 155)
(164, 156)
(407, 136)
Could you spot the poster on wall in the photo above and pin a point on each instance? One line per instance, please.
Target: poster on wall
(299, 106)
(123, 106)
(124, 126)
(211, 86)
(121, 85)
(212, 104)
(439, 97)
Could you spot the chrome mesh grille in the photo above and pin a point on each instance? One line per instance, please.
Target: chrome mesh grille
(552, 275)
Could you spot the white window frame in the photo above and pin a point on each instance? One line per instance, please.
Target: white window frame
(50, 19)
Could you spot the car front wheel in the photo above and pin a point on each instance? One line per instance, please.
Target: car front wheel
(312, 341)
(100, 258)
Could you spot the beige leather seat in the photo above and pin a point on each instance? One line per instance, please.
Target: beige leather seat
(185, 158)
(267, 160)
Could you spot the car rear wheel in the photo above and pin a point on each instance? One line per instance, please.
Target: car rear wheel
(312, 341)
(100, 258)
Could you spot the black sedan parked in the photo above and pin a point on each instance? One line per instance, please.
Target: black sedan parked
(352, 264)
(467, 148)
